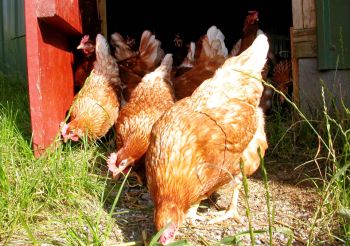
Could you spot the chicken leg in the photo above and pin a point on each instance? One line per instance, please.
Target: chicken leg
(192, 215)
(231, 211)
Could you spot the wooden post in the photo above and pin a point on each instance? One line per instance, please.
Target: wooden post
(49, 26)
(102, 16)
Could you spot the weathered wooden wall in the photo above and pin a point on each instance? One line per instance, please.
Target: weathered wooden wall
(304, 28)
(308, 80)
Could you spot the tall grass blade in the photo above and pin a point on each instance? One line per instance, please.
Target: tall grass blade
(246, 199)
(267, 195)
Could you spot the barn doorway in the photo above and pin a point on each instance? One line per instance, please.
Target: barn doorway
(190, 22)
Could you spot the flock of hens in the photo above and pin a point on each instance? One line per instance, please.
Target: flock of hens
(191, 126)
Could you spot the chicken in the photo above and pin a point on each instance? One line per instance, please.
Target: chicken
(95, 108)
(148, 101)
(250, 32)
(122, 50)
(134, 68)
(84, 67)
(211, 53)
(282, 78)
(198, 143)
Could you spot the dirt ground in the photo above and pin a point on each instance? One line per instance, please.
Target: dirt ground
(293, 204)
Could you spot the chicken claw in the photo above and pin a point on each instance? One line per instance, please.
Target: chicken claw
(224, 215)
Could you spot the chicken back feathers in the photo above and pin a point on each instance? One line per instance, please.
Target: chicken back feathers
(149, 100)
(210, 54)
(95, 108)
(202, 138)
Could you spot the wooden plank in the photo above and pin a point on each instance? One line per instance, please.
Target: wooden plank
(62, 14)
(304, 42)
(309, 14)
(297, 9)
(50, 77)
(295, 70)
(102, 15)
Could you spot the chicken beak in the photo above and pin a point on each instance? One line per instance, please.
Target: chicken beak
(80, 47)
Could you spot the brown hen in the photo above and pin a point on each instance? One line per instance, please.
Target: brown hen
(282, 77)
(210, 54)
(249, 33)
(95, 108)
(199, 142)
(84, 67)
(148, 101)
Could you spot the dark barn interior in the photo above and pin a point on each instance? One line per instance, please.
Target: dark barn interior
(192, 21)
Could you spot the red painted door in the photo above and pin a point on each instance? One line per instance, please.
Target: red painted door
(50, 24)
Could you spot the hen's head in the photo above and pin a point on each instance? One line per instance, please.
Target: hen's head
(117, 164)
(69, 131)
(169, 215)
(252, 17)
(87, 45)
(168, 234)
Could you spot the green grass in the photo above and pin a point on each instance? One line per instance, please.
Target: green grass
(62, 197)
(325, 143)
(50, 199)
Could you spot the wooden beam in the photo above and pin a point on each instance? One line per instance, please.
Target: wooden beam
(63, 15)
(102, 16)
(295, 69)
(309, 14)
(49, 66)
(304, 42)
(297, 9)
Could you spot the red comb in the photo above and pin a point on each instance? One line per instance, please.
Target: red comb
(85, 39)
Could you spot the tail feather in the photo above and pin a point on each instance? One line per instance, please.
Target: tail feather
(189, 59)
(192, 50)
(150, 50)
(162, 71)
(214, 36)
(105, 64)
(102, 47)
(167, 63)
(252, 60)
(122, 49)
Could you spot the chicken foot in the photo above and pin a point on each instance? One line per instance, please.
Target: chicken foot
(231, 212)
(192, 215)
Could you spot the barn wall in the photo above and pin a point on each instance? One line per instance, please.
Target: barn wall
(311, 80)
(307, 78)
(12, 38)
